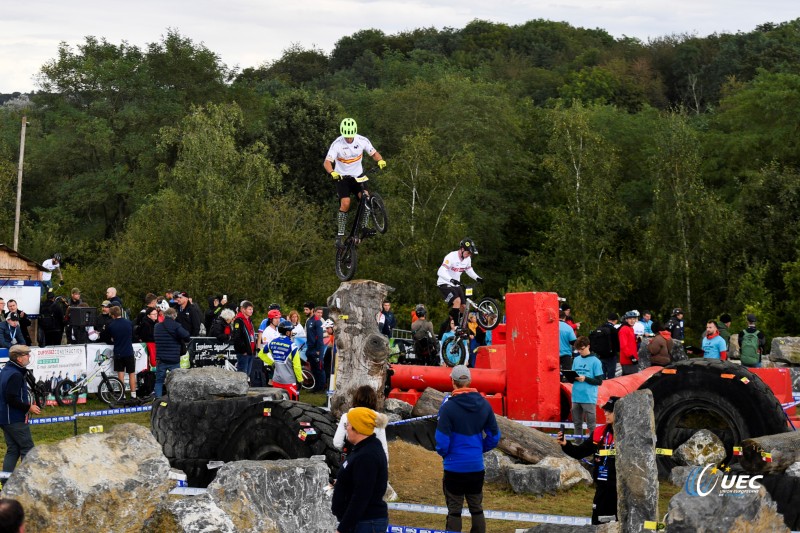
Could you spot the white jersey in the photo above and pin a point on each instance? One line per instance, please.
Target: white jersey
(452, 267)
(50, 266)
(347, 156)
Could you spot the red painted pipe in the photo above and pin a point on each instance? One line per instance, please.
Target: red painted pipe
(615, 387)
(413, 377)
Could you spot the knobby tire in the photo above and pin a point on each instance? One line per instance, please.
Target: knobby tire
(61, 392)
(111, 390)
(454, 352)
(346, 261)
(378, 212)
(488, 313)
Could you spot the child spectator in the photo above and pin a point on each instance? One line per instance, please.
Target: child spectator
(587, 383)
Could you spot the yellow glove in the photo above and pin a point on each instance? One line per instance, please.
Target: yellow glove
(335, 175)
(381, 164)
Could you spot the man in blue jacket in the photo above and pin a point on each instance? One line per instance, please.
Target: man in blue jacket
(169, 337)
(15, 404)
(119, 332)
(315, 348)
(466, 430)
(11, 332)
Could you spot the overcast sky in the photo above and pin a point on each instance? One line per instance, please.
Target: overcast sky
(247, 33)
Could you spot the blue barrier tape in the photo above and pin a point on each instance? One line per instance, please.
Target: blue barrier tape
(71, 418)
(408, 529)
(497, 515)
(409, 420)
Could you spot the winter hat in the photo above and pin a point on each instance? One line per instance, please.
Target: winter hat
(609, 405)
(364, 420)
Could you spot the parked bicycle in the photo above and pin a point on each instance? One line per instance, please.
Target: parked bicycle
(111, 390)
(487, 311)
(37, 391)
(347, 254)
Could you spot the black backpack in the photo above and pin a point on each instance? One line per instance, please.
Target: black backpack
(600, 341)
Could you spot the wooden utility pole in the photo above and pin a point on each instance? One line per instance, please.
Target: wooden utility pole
(19, 181)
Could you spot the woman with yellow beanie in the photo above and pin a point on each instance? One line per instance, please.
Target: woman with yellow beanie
(361, 483)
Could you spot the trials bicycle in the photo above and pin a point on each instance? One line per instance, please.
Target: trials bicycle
(487, 312)
(347, 254)
(36, 389)
(111, 390)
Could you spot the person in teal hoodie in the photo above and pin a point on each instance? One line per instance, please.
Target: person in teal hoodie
(586, 386)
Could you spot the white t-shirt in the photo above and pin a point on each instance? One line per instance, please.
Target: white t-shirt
(347, 156)
(299, 331)
(269, 335)
(452, 267)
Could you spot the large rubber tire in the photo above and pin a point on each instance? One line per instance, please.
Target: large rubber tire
(722, 397)
(488, 313)
(61, 393)
(421, 432)
(193, 433)
(378, 212)
(111, 390)
(454, 352)
(346, 261)
(785, 491)
(254, 435)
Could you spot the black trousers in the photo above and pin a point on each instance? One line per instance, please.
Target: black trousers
(459, 486)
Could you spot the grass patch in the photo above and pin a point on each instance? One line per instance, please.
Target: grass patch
(416, 474)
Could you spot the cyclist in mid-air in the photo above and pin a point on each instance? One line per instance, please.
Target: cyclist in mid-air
(453, 265)
(344, 159)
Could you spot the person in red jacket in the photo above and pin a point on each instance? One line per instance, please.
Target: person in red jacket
(627, 344)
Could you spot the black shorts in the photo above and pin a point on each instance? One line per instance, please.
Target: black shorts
(348, 186)
(450, 292)
(125, 364)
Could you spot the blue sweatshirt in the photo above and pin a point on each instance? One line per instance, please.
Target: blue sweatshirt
(467, 429)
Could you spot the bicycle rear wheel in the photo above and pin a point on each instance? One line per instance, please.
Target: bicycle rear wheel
(346, 261)
(488, 313)
(66, 393)
(111, 390)
(454, 352)
(378, 212)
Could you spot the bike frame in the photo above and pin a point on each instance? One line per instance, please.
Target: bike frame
(85, 380)
(360, 210)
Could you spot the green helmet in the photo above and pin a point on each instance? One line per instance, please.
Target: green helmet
(348, 127)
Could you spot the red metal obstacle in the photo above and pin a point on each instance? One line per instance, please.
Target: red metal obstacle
(519, 372)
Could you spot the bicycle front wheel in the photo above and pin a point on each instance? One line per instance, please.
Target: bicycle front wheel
(378, 212)
(66, 392)
(488, 313)
(111, 390)
(308, 379)
(454, 352)
(346, 261)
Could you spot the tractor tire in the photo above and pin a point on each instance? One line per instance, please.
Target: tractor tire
(420, 432)
(193, 433)
(785, 491)
(722, 397)
(282, 430)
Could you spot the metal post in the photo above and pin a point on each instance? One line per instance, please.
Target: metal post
(19, 181)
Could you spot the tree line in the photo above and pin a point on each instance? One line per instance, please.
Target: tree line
(618, 173)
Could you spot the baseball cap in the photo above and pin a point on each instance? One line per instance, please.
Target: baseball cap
(460, 373)
(180, 294)
(609, 405)
(13, 316)
(106, 303)
(751, 317)
(613, 316)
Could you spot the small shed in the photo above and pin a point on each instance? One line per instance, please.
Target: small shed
(14, 265)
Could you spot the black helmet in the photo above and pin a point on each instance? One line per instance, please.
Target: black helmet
(677, 311)
(57, 257)
(420, 310)
(469, 245)
(284, 326)
(274, 307)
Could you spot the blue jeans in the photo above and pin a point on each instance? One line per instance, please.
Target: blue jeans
(244, 363)
(161, 376)
(609, 367)
(376, 525)
(19, 442)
